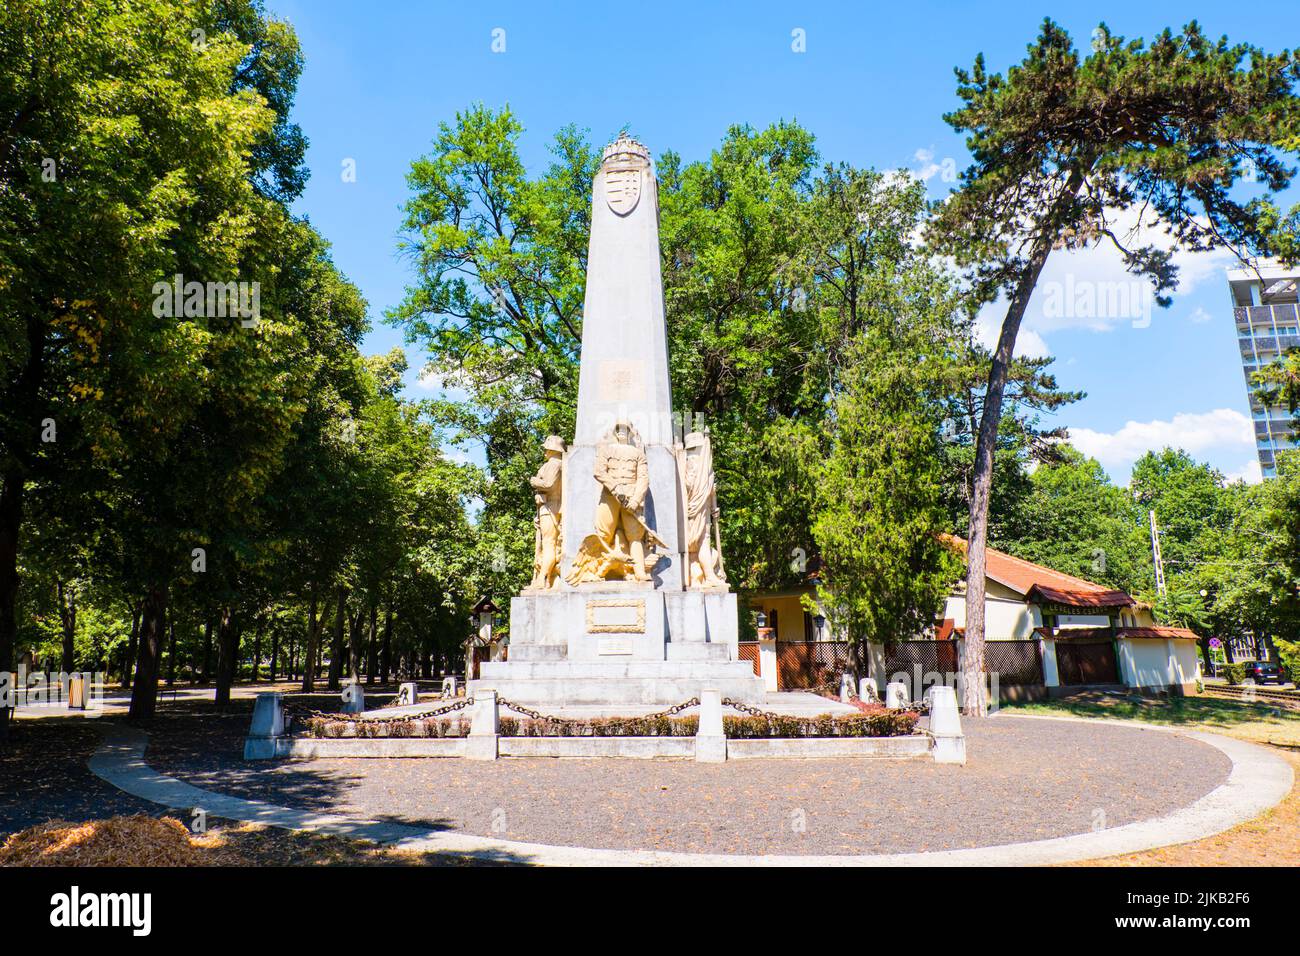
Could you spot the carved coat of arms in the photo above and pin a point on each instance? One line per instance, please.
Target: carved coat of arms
(623, 187)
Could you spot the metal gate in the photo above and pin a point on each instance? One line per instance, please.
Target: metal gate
(804, 664)
(1086, 662)
(934, 657)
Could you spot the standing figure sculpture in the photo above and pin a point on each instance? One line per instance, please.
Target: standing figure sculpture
(548, 486)
(703, 558)
(623, 546)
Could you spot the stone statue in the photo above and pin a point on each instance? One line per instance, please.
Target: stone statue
(622, 546)
(700, 492)
(548, 485)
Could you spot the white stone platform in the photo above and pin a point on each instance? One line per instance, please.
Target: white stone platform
(789, 703)
(618, 644)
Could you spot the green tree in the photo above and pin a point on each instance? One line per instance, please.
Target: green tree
(99, 201)
(1075, 520)
(1062, 145)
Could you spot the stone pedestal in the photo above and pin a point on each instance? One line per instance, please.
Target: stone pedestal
(620, 644)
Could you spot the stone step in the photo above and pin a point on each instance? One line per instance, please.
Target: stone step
(616, 669)
(538, 652)
(606, 691)
(697, 651)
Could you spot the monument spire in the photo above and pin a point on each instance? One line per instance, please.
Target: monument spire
(624, 365)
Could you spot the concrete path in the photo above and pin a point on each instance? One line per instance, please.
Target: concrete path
(1258, 781)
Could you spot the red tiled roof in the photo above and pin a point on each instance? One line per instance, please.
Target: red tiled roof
(1091, 633)
(1178, 633)
(1096, 596)
(1043, 584)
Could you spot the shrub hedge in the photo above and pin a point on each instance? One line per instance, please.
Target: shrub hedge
(877, 723)
(430, 727)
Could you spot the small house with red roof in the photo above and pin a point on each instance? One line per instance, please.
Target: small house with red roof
(1046, 632)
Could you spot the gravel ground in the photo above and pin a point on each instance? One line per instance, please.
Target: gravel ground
(1026, 780)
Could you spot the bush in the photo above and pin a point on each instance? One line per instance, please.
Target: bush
(875, 721)
(884, 723)
(1236, 673)
(601, 727)
(374, 729)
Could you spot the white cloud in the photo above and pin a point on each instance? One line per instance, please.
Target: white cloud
(1249, 472)
(1199, 316)
(1090, 288)
(988, 322)
(1194, 432)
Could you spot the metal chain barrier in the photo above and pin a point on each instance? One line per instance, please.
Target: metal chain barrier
(751, 711)
(294, 712)
(550, 718)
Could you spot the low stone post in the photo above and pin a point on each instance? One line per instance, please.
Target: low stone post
(408, 693)
(481, 744)
(1051, 677)
(354, 699)
(710, 739)
(896, 696)
(267, 727)
(767, 665)
(846, 687)
(876, 667)
(945, 726)
(867, 690)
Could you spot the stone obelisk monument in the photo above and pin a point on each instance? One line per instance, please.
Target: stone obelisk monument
(629, 602)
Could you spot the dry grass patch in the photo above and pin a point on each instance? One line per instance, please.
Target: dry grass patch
(148, 841)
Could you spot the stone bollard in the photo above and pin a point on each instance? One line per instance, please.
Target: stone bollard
(867, 691)
(945, 726)
(267, 727)
(896, 696)
(408, 693)
(846, 688)
(354, 699)
(710, 739)
(448, 687)
(481, 744)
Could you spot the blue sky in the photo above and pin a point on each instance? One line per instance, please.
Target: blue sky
(872, 84)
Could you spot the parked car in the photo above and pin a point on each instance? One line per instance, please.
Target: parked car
(1264, 672)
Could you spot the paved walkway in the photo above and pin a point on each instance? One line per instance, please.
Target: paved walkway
(1253, 781)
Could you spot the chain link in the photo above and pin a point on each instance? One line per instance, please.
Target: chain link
(752, 711)
(551, 718)
(307, 713)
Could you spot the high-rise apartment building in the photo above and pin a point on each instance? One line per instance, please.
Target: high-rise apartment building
(1267, 314)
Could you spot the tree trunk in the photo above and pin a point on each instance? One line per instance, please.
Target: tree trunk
(171, 648)
(275, 650)
(975, 693)
(309, 649)
(336, 649)
(227, 655)
(387, 655)
(354, 645)
(257, 649)
(144, 688)
(372, 643)
(128, 665)
(207, 652)
(68, 619)
(11, 513)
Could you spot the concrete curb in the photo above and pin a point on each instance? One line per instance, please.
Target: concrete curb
(1258, 781)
